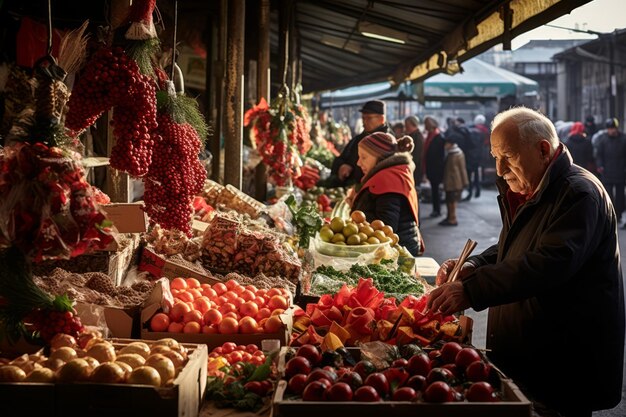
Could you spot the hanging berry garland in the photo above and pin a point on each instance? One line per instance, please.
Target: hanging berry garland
(176, 174)
(121, 78)
(281, 136)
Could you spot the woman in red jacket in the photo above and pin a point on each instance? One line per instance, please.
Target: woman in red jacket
(387, 190)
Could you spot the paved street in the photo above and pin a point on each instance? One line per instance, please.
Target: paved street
(479, 219)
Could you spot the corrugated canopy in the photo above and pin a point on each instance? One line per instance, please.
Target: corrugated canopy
(436, 35)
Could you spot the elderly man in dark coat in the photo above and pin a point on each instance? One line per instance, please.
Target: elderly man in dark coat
(554, 278)
(344, 171)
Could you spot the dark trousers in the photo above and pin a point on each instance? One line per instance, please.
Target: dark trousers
(616, 191)
(434, 190)
(474, 181)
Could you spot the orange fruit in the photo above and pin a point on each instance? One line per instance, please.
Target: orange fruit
(377, 224)
(358, 216)
(159, 322)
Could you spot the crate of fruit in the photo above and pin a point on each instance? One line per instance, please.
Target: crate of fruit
(406, 381)
(98, 377)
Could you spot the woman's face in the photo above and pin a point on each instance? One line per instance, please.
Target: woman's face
(366, 161)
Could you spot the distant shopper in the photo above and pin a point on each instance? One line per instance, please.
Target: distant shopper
(345, 171)
(479, 136)
(411, 128)
(433, 161)
(581, 148)
(590, 126)
(387, 191)
(398, 129)
(454, 179)
(611, 160)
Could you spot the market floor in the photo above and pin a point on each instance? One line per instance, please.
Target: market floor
(479, 219)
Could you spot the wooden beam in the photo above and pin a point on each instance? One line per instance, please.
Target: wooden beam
(263, 87)
(233, 116)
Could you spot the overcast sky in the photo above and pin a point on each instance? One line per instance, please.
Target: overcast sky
(597, 15)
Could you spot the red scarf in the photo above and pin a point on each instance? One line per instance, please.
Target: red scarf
(427, 142)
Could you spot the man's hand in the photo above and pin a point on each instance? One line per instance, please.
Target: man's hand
(344, 171)
(448, 299)
(443, 275)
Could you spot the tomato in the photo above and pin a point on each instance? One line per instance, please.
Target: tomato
(235, 356)
(263, 313)
(379, 382)
(466, 356)
(438, 392)
(364, 368)
(251, 288)
(159, 322)
(399, 363)
(258, 353)
(439, 374)
(175, 327)
(178, 311)
(314, 391)
(273, 291)
(297, 365)
(231, 283)
(352, 378)
(245, 356)
(227, 308)
(192, 327)
(209, 292)
(453, 368)
(257, 360)
(229, 325)
(254, 387)
(247, 295)
(339, 391)
(480, 392)
(193, 315)
(273, 324)
(202, 304)
(185, 296)
(277, 301)
(228, 347)
(251, 348)
(249, 308)
(478, 371)
(311, 353)
(417, 382)
(366, 394)
(220, 288)
(248, 325)
(178, 284)
(404, 394)
(212, 317)
(418, 365)
(192, 283)
(449, 351)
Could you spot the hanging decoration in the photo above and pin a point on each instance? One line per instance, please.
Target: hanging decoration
(281, 135)
(47, 208)
(176, 175)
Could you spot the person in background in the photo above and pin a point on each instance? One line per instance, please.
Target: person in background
(479, 136)
(398, 129)
(433, 161)
(579, 145)
(454, 179)
(387, 190)
(611, 161)
(590, 126)
(554, 273)
(471, 151)
(344, 171)
(411, 127)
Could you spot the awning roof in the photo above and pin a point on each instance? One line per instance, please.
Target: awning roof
(436, 32)
(478, 81)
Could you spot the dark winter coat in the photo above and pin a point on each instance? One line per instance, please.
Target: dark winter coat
(394, 209)
(418, 149)
(350, 155)
(582, 151)
(554, 285)
(435, 160)
(611, 157)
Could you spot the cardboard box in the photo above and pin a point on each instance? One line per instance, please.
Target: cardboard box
(215, 340)
(159, 266)
(121, 322)
(182, 399)
(127, 217)
(514, 404)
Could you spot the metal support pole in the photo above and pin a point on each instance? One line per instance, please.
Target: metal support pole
(233, 122)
